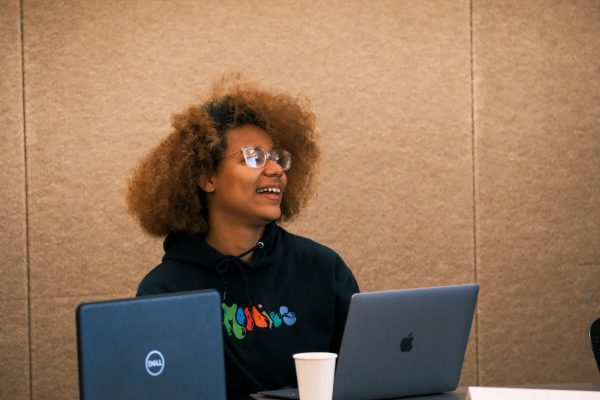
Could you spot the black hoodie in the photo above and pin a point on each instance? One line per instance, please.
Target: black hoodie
(293, 297)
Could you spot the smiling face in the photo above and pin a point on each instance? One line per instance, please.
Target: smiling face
(239, 194)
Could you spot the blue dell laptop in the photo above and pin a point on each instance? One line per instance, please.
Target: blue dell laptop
(152, 347)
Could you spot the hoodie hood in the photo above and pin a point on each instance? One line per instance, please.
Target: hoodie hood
(193, 249)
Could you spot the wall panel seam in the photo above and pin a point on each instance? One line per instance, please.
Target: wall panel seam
(474, 185)
(26, 190)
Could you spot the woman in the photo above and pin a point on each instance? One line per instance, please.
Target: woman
(233, 166)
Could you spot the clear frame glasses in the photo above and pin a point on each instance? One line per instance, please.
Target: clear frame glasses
(256, 157)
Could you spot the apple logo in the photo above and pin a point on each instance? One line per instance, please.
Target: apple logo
(407, 343)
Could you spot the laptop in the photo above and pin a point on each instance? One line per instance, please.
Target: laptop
(401, 343)
(152, 347)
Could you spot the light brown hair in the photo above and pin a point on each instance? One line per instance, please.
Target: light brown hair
(163, 192)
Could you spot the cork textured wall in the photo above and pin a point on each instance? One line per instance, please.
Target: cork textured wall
(537, 146)
(461, 143)
(14, 293)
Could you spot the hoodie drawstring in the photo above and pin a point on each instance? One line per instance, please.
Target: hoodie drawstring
(223, 266)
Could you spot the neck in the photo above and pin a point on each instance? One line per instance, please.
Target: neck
(233, 239)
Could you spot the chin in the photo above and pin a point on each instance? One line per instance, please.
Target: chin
(270, 217)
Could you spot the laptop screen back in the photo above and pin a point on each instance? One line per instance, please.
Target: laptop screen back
(153, 347)
(404, 342)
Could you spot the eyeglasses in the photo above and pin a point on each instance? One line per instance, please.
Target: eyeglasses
(256, 157)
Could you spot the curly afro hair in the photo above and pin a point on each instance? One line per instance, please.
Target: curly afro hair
(163, 192)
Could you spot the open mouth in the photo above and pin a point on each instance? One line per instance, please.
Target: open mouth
(269, 190)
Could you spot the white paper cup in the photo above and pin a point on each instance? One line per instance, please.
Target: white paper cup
(315, 372)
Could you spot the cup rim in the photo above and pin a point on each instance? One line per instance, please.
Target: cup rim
(316, 356)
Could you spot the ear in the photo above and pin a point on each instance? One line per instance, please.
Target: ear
(206, 183)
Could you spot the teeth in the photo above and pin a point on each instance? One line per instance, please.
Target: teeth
(271, 190)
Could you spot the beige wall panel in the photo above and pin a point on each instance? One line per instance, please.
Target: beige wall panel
(14, 347)
(537, 118)
(13, 264)
(394, 105)
(54, 347)
(397, 179)
(14, 314)
(88, 67)
(390, 83)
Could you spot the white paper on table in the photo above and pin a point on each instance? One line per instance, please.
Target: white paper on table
(491, 393)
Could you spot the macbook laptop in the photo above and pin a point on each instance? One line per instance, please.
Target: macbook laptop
(152, 347)
(402, 343)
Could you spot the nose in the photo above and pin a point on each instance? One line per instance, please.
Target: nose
(273, 169)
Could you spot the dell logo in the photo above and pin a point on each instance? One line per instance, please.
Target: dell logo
(155, 363)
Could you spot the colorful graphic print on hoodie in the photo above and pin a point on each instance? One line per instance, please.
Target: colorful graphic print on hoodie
(238, 321)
